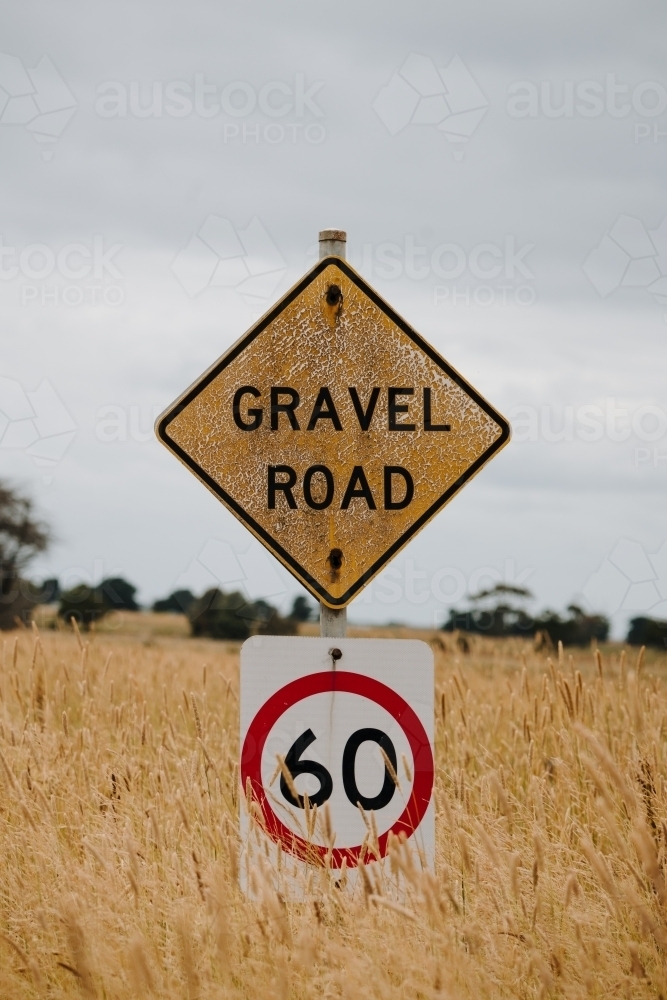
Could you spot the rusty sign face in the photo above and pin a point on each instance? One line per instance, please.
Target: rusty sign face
(333, 431)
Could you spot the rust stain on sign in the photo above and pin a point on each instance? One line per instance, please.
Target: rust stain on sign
(333, 431)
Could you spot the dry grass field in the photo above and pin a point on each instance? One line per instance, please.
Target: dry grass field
(119, 845)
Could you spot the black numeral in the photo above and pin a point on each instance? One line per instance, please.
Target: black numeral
(386, 793)
(296, 767)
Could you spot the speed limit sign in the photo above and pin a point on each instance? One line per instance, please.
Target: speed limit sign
(337, 748)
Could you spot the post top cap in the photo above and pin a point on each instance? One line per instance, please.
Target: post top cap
(333, 234)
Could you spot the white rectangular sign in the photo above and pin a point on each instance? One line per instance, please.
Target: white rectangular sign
(336, 751)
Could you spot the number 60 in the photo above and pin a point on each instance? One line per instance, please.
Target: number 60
(296, 767)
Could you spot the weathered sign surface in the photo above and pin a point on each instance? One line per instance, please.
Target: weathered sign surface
(333, 431)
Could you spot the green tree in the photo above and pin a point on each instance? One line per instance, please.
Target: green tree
(22, 537)
(179, 602)
(229, 616)
(119, 594)
(499, 612)
(648, 632)
(495, 612)
(87, 604)
(302, 609)
(84, 605)
(215, 615)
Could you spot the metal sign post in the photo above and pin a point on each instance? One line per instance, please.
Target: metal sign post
(333, 621)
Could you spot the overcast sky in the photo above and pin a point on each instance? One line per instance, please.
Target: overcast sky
(499, 170)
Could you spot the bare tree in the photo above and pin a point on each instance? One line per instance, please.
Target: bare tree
(22, 537)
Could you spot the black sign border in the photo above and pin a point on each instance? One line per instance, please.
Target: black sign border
(309, 582)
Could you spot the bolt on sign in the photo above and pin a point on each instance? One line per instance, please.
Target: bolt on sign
(333, 431)
(337, 761)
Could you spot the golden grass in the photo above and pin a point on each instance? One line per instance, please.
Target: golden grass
(119, 852)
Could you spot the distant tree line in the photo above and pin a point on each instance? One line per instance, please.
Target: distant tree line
(87, 604)
(23, 536)
(231, 616)
(499, 611)
(216, 614)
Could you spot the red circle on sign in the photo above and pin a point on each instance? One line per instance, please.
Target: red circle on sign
(366, 687)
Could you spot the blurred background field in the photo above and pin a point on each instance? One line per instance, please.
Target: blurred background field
(119, 830)
(152, 625)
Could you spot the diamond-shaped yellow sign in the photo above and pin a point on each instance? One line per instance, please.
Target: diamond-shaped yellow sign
(333, 431)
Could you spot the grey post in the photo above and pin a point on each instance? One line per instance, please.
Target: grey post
(333, 622)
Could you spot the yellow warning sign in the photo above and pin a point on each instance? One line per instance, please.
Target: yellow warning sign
(333, 431)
